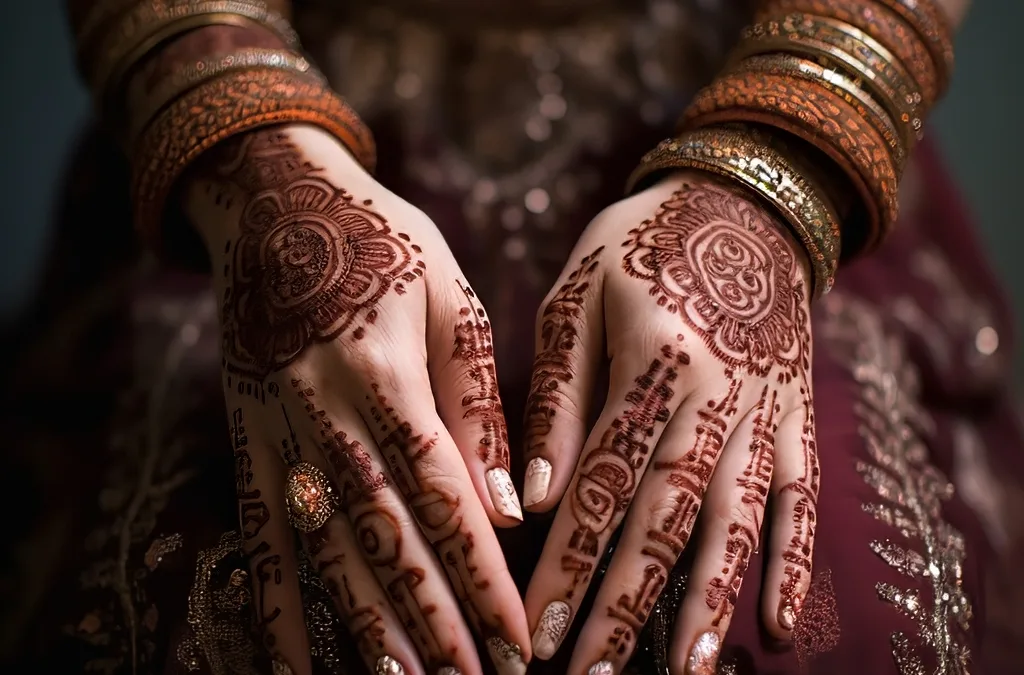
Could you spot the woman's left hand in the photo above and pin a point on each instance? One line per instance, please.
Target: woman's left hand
(702, 298)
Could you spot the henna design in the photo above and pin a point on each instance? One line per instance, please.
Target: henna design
(561, 323)
(744, 532)
(310, 261)
(609, 473)
(253, 514)
(474, 347)
(365, 623)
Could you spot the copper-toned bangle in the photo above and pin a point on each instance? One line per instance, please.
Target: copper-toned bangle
(141, 108)
(928, 19)
(850, 48)
(838, 83)
(218, 109)
(748, 158)
(818, 116)
(147, 25)
(882, 24)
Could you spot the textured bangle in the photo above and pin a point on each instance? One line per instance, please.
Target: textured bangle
(906, 44)
(143, 107)
(218, 109)
(748, 158)
(838, 83)
(110, 55)
(816, 115)
(849, 48)
(927, 19)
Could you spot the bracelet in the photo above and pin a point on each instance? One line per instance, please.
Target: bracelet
(816, 115)
(744, 156)
(840, 43)
(142, 108)
(838, 83)
(926, 17)
(235, 102)
(880, 23)
(153, 22)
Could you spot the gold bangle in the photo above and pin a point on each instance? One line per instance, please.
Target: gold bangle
(846, 46)
(142, 107)
(147, 25)
(236, 102)
(838, 83)
(927, 18)
(745, 156)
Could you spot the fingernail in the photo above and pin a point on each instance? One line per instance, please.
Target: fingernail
(503, 494)
(704, 655)
(554, 622)
(787, 615)
(602, 668)
(282, 668)
(538, 478)
(506, 657)
(389, 666)
(449, 670)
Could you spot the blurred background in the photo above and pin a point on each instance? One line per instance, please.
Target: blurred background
(977, 125)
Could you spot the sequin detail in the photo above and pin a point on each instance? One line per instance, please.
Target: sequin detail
(910, 491)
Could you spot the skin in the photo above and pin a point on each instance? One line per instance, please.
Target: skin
(344, 318)
(709, 414)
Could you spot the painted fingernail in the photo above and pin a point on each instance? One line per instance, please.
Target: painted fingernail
(538, 478)
(787, 614)
(389, 666)
(551, 629)
(602, 668)
(704, 655)
(506, 657)
(282, 668)
(449, 670)
(503, 493)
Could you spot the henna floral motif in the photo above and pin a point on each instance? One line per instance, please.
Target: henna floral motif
(474, 347)
(309, 263)
(560, 326)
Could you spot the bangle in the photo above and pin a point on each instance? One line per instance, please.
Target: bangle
(141, 108)
(816, 115)
(880, 23)
(147, 25)
(927, 19)
(744, 156)
(235, 102)
(842, 44)
(838, 83)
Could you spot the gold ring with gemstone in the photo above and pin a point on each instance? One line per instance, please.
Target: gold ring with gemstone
(309, 496)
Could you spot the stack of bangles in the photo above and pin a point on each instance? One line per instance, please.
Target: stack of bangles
(167, 109)
(853, 79)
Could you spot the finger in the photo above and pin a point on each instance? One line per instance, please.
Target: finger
(612, 465)
(465, 383)
(389, 539)
(794, 499)
(428, 470)
(359, 598)
(269, 542)
(731, 526)
(656, 530)
(569, 350)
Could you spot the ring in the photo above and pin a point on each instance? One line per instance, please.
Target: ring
(309, 496)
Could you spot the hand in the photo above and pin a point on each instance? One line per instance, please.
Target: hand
(703, 301)
(345, 318)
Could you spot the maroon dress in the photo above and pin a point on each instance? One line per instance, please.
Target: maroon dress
(123, 537)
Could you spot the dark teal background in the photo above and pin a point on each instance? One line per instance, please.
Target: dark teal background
(44, 104)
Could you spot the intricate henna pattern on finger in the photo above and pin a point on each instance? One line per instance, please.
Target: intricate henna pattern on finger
(744, 531)
(253, 515)
(608, 475)
(310, 262)
(474, 347)
(364, 622)
(560, 326)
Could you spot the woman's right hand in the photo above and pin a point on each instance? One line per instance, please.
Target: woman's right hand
(353, 346)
